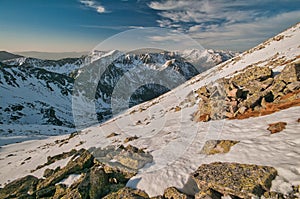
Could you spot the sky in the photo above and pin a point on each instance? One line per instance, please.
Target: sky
(81, 25)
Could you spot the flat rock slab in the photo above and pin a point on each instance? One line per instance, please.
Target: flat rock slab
(217, 146)
(241, 180)
(129, 158)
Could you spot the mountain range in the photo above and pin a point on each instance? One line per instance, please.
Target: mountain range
(37, 94)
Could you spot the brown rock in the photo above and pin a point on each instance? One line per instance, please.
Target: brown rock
(293, 86)
(253, 73)
(290, 73)
(277, 127)
(242, 109)
(127, 193)
(263, 103)
(208, 194)
(229, 114)
(272, 195)
(235, 93)
(112, 135)
(20, 188)
(177, 108)
(129, 139)
(252, 100)
(266, 83)
(241, 180)
(277, 88)
(173, 193)
(126, 159)
(217, 146)
(254, 86)
(204, 118)
(83, 159)
(203, 91)
(60, 191)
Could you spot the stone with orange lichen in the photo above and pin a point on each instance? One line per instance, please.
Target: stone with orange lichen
(277, 127)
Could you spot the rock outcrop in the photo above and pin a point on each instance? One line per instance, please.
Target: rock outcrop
(253, 92)
(94, 180)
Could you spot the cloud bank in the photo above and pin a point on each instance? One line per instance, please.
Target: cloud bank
(218, 24)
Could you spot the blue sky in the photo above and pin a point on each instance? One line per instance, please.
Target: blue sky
(80, 25)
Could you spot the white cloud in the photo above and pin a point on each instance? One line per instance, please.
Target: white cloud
(93, 4)
(225, 24)
(112, 27)
(242, 36)
(195, 28)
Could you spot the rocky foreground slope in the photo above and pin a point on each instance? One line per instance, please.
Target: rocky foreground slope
(244, 142)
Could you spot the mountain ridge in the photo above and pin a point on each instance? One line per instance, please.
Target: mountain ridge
(26, 82)
(4, 55)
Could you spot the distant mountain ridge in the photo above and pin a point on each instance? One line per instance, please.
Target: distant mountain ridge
(6, 56)
(52, 55)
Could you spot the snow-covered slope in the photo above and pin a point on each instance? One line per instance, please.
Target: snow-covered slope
(175, 140)
(63, 66)
(31, 97)
(206, 58)
(38, 92)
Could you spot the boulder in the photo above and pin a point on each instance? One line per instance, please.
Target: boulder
(21, 188)
(129, 139)
(173, 193)
(217, 146)
(266, 83)
(241, 180)
(98, 182)
(277, 88)
(128, 159)
(127, 193)
(242, 109)
(277, 127)
(293, 86)
(46, 192)
(252, 100)
(235, 93)
(81, 160)
(60, 191)
(290, 73)
(253, 73)
(254, 87)
(202, 91)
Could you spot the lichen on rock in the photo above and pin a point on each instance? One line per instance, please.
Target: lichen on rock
(241, 180)
(217, 146)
